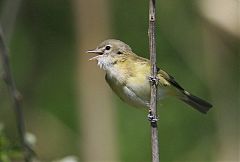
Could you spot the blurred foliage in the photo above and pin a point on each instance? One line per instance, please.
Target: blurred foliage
(42, 40)
(43, 58)
(8, 150)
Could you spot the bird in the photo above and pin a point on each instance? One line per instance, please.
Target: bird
(128, 76)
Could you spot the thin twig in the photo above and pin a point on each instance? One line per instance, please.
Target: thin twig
(8, 18)
(15, 96)
(154, 81)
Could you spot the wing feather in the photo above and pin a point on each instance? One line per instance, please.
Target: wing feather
(170, 79)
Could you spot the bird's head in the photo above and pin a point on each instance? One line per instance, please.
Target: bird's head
(110, 52)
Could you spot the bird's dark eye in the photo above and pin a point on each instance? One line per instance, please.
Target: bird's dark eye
(107, 47)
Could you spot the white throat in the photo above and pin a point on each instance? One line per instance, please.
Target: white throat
(103, 61)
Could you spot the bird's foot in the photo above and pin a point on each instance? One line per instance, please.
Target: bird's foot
(151, 117)
(153, 80)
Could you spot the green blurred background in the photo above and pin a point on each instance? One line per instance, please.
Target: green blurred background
(195, 43)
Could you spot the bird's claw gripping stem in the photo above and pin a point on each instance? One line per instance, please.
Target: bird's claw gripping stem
(151, 117)
(153, 80)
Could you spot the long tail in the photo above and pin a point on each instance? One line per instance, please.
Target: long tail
(196, 102)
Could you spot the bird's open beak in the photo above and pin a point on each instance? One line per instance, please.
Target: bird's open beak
(96, 51)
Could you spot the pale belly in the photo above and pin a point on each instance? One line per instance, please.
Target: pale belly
(137, 95)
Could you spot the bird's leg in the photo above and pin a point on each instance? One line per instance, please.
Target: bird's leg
(152, 118)
(153, 80)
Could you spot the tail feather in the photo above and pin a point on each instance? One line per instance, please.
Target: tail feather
(196, 102)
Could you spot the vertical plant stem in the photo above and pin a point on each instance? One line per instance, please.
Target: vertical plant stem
(15, 96)
(8, 17)
(153, 76)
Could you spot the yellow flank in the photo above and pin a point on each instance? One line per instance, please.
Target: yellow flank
(139, 80)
